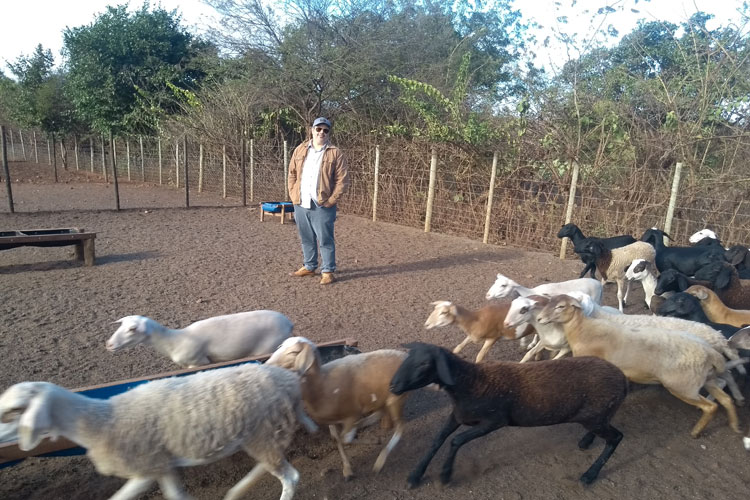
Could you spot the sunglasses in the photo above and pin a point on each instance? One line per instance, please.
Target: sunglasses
(321, 129)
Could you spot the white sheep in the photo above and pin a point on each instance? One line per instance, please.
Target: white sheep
(681, 362)
(645, 272)
(352, 391)
(210, 340)
(523, 310)
(144, 434)
(506, 287)
(612, 264)
(703, 233)
(483, 325)
(711, 336)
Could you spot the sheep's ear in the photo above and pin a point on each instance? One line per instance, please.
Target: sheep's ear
(700, 293)
(722, 279)
(737, 258)
(443, 371)
(305, 359)
(741, 339)
(34, 423)
(682, 282)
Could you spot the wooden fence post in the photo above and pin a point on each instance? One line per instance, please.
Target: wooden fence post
(672, 200)
(54, 156)
(200, 168)
(569, 210)
(75, 149)
(91, 152)
(431, 191)
(252, 169)
(177, 161)
(36, 150)
(23, 146)
(143, 166)
(490, 198)
(49, 153)
(4, 147)
(185, 164)
(158, 145)
(243, 172)
(375, 184)
(224, 171)
(104, 160)
(113, 157)
(127, 154)
(12, 144)
(286, 173)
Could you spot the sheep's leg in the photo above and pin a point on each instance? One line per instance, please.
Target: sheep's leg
(707, 407)
(733, 387)
(172, 488)
(475, 432)
(344, 459)
(619, 295)
(627, 291)
(586, 440)
(562, 352)
(485, 349)
(529, 341)
(612, 437)
(394, 405)
(725, 401)
(533, 352)
(246, 482)
(132, 488)
(460, 346)
(289, 478)
(448, 428)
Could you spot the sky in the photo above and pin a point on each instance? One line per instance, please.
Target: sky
(31, 22)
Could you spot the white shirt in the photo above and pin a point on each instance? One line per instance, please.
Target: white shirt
(310, 175)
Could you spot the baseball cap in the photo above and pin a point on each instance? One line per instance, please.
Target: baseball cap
(322, 121)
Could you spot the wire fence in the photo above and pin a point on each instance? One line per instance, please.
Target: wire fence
(528, 203)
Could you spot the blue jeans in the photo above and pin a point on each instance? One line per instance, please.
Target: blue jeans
(315, 226)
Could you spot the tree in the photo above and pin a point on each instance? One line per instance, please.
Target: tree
(31, 72)
(119, 68)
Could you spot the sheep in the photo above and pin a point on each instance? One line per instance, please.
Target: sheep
(681, 362)
(612, 264)
(683, 259)
(685, 306)
(492, 395)
(551, 337)
(644, 271)
(572, 231)
(352, 391)
(739, 257)
(708, 334)
(483, 325)
(674, 281)
(146, 433)
(505, 287)
(220, 338)
(702, 235)
(726, 282)
(716, 310)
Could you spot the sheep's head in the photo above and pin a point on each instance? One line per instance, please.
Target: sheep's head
(700, 292)
(444, 314)
(503, 287)
(703, 233)
(737, 255)
(680, 305)
(559, 309)
(425, 364)
(521, 310)
(296, 353)
(27, 404)
(671, 280)
(637, 270)
(567, 231)
(132, 331)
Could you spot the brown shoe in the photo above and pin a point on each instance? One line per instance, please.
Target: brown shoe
(302, 271)
(327, 279)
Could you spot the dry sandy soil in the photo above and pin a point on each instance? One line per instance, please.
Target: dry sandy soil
(179, 265)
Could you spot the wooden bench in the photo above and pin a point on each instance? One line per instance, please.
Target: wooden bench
(83, 241)
(280, 208)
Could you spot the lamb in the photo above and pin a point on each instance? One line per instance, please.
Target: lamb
(505, 287)
(146, 433)
(739, 257)
(726, 282)
(674, 281)
(483, 325)
(716, 310)
(702, 236)
(679, 361)
(612, 264)
(551, 337)
(220, 338)
(708, 334)
(579, 242)
(493, 395)
(644, 271)
(683, 259)
(683, 305)
(352, 391)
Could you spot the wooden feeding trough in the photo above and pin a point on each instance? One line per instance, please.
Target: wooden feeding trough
(11, 454)
(83, 241)
(279, 208)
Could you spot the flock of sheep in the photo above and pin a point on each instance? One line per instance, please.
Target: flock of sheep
(694, 343)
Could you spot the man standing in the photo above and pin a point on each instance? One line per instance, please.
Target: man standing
(317, 179)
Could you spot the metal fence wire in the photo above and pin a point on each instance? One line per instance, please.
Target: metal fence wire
(528, 206)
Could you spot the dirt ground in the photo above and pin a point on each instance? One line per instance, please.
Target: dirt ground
(179, 265)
